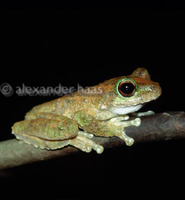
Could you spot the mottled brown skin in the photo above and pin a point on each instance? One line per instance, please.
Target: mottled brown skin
(100, 110)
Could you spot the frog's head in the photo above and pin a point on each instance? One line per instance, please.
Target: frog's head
(128, 94)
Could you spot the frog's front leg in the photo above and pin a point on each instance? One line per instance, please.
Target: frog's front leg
(121, 124)
(107, 128)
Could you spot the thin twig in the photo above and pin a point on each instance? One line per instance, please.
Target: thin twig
(162, 126)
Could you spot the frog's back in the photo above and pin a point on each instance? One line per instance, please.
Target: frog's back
(47, 107)
(66, 105)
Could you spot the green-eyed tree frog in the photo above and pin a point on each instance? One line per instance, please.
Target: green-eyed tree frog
(100, 110)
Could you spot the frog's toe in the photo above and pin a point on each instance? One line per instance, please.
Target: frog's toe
(84, 134)
(129, 141)
(136, 122)
(141, 114)
(83, 142)
(98, 148)
(88, 148)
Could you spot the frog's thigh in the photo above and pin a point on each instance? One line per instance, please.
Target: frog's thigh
(41, 132)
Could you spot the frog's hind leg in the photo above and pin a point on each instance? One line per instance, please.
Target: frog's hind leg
(54, 133)
(46, 133)
(43, 144)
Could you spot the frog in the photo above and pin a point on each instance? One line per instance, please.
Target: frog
(103, 110)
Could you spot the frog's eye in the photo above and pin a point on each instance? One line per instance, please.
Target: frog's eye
(127, 88)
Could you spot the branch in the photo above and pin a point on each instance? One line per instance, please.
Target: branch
(162, 126)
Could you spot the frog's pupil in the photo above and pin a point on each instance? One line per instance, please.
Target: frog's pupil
(127, 89)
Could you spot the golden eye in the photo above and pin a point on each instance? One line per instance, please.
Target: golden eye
(126, 88)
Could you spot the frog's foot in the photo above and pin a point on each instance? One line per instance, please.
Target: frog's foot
(42, 144)
(121, 134)
(83, 142)
(123, 121)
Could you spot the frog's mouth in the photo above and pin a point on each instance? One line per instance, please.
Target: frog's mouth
(126, 109)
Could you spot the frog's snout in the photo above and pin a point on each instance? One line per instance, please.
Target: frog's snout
(157, 91)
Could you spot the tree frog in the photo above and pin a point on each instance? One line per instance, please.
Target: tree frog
(101, 110)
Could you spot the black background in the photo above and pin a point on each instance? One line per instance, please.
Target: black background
(87, 42)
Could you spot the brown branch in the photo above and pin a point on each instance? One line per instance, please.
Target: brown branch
(162, 126)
